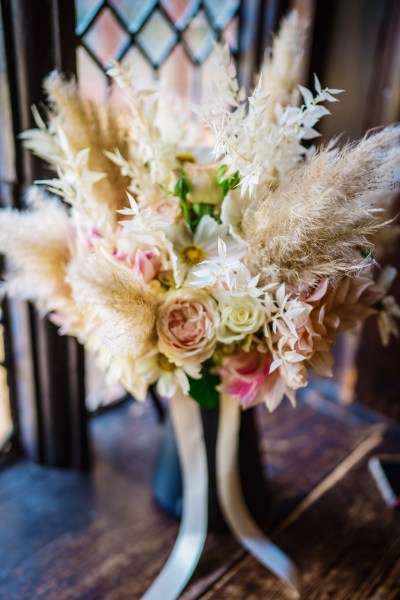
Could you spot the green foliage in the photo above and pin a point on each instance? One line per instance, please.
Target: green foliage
(192, 212)
(181, 190)
(227, 183)
(202, 209)
(182, 185)
(204, 390)
(365, 253)
(220, 173)
(166, 190)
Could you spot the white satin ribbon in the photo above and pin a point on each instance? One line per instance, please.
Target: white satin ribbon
(232, 501)
(187, 422)
(186, 419)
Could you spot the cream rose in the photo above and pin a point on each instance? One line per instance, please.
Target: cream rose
(186, 327)
(239, 316)
(204, 187)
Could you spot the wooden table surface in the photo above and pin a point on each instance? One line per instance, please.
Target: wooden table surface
(99, 536)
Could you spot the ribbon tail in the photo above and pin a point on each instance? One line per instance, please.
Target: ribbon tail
(187, 423)
(233, 504)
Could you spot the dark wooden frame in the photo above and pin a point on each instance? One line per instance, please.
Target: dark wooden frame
(36, 43)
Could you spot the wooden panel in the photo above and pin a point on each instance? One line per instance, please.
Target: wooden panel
(101, 536)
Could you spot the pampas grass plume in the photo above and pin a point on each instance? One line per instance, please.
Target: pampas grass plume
(116, 306)
(320, 224)
(36, 244)
(85, 125)
(282, 69)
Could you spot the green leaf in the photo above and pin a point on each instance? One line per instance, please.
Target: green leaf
(234, 180)
(198, 209)
(221, 172)
(165, 189)
(229, 183)
(225, 187)
(181, 190)
(365, 253)
(201, 209)
(182, 186)
(203, 390)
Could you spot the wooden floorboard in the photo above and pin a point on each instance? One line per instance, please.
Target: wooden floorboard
(100, 536)
(347, 545)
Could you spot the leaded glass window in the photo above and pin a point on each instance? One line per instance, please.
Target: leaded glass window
(171, 40)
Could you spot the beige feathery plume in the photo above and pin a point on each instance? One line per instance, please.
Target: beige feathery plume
(282, 69)
(118, 309)
(320, 224)
(36, 243)
(386, 239)
(85, 125)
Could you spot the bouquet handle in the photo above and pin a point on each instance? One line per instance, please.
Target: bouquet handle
(187, 423)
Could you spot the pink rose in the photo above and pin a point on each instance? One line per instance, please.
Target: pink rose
(186, 327)
(247, 377)
(243, 375)
(144, 262)
(168, 208)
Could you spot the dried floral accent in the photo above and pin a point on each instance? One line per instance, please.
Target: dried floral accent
(37, 244)
(118, 309)
(75, 141)
(282, 69)
(315, 225)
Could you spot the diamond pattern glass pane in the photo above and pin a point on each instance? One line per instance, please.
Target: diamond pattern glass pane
(91, 79)
(178, 74)
(199, 37)
(157, 38)
(85, 11)
(106, 38)
(138, 65)
(230, 35)
(207, 74)
(134, 12)
(221, 11)
(180, 11)
(110, 28)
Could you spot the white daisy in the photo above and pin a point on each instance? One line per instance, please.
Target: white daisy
(232, 210)
(224, 273)
(156, 367)
(191, 249)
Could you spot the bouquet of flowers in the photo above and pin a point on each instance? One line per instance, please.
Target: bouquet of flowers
(239, 263)
(207, 251)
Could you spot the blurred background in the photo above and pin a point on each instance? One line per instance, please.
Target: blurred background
(47, 388)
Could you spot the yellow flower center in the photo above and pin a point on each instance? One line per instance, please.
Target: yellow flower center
(165, 364)
(185, 157)
(192, 255)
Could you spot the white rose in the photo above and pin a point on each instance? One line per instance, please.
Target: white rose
(239, 317)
